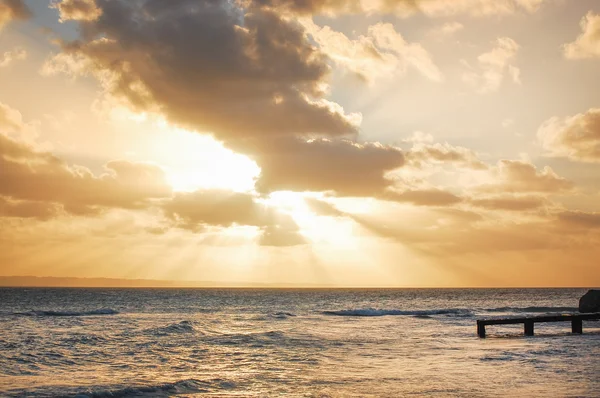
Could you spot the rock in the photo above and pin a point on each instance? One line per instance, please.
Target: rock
(590, 302)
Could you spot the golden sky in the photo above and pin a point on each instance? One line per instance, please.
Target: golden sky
(333, 142)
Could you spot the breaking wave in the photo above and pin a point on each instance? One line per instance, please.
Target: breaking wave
(419, 313)
(101, 311)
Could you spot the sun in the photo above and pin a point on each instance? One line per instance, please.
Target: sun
(197, 161)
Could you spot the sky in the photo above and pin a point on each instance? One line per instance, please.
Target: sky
(363, 143)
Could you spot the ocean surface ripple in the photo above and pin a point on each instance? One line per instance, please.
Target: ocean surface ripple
(298, 343)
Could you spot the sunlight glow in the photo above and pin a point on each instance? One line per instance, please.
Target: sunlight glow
(198, 161)
(318, 229)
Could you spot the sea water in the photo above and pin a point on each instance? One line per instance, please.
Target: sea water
(297, 343)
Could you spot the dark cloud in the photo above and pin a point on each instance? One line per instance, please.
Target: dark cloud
(247, 72)
(195, 210)
(343, 167)
(218, 207)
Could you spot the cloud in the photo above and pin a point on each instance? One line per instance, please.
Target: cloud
(78, 10)
(580, 219)
(28, 209)
(201, 208)
(424, 152)
(343, 167)
(261, 64)
(41, 186)
(576, 137)
(218, 207)
(587, 44)
(509, 202)
(30, 175)
(407, 8)
(516, 176)
(494, 66)
(382, 52)
(444, 8)
(38, 185)
(423, 197)
(13, 10)
(8, 57)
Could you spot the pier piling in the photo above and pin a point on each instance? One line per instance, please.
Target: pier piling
(529, 322)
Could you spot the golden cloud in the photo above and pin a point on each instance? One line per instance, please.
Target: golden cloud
(382, 52)
(517, 176)
(404, 8)
(13, 10)
(576, 137)
(78, 10)
(30, 175)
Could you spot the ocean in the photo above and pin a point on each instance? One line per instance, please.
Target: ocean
(291, 343)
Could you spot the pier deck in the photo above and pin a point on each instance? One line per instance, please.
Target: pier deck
(528, 322)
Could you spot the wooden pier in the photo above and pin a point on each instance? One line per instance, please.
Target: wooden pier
(528, 322)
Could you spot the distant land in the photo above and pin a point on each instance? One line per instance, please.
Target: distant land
(49, 281)
(35, 281)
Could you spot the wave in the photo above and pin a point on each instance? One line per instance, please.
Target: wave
(457, 312)
(101, 311)
(188, 386)
(282, 315)
(532, 309)
(367, 312)
(179, 327)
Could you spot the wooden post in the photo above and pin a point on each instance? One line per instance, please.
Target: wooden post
(481, 329)
(577, 326)
(528, 328)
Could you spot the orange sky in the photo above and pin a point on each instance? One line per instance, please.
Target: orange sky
(330, 142)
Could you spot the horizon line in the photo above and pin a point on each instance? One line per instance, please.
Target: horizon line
(28, 281)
